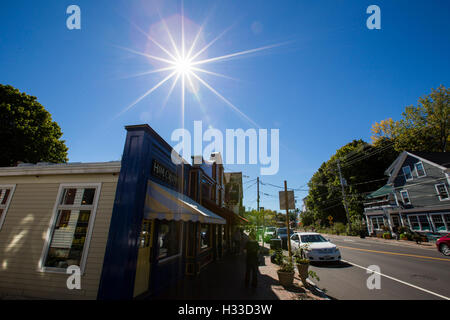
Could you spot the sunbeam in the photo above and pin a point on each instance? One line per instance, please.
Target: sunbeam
(185, 65)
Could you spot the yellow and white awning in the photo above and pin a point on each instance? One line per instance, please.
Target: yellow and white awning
(166, 204)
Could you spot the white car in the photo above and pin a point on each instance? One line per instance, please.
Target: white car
(318, 248)
(270, 231)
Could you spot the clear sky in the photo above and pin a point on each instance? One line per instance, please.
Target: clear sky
(328, 82)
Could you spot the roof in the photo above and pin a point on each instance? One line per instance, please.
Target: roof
(440, 158)
(45, 168)
(384, 190)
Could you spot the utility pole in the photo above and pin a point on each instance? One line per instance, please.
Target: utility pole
(257, 190)
(258, 208)
(287, 219)
(344, 196)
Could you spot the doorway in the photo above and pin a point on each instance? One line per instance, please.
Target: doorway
(142, 279)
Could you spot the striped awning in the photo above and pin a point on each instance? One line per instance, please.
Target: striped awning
(166, 204)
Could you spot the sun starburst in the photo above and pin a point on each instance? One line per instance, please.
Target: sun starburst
(184, 66)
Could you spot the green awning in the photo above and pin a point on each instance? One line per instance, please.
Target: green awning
(384, 190)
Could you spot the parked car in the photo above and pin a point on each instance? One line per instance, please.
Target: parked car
(443, 245)
(269, 234)
(319, 248)
(281, 233)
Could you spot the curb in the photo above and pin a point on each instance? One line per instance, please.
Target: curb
(322, 294)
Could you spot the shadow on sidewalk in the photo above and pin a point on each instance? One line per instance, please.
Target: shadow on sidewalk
(221, 280)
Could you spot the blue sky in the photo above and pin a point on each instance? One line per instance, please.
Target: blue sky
(330, 81)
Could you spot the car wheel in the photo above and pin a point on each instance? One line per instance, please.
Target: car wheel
(444, 249)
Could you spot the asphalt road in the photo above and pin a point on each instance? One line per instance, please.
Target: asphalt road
(407, 272)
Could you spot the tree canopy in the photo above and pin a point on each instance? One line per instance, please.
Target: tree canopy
(362, 167)
(425, 127)
(27, 132)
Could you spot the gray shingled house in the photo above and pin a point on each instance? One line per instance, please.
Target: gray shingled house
(416, 195)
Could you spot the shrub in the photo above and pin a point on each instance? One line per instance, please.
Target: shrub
(403, 236)
(387, 235)
(339, 227)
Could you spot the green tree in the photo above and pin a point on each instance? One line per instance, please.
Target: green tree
(325, 195)
(425, 127)
(27, 132)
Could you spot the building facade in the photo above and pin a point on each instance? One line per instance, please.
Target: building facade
(416, 195)
(133, 228)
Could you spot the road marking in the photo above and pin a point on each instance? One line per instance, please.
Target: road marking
(403, 282)
(397, 254)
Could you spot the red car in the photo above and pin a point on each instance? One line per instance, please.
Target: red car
(443, 245)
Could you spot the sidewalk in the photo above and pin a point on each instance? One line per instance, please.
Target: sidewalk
(422, 245)
(224, 280)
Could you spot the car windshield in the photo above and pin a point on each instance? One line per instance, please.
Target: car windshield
(313, 238)
(284, 231)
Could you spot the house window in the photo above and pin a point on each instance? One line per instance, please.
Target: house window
(420, 170)
(396, 221)
(419, 223)
(6, 193)
(72, 226)
(407, 173)
(205, 236)
(169, 239)
(414, 222)
(438, 222)
(442, 191)
(377, 223)
(405, 197)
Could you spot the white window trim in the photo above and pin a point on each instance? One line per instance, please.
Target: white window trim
(166, 259)
(447, 226)
(410, 171)
(430, 223)
(87, 242)
(437, 190)
(377, 218)
(12, 187)
(404, 190)
(417, 172)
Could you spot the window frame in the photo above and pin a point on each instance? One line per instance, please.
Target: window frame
(12, 187)
(446, 224)
(53, 221)
(401, 195)
(438, 193)
(202, 249)
(410, 172)
(429, 221)
(180, 244)
(417, 172)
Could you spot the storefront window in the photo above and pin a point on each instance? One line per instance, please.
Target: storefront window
(169, 239)
(70, 230)
(205, 236)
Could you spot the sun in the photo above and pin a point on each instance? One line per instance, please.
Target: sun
(184, 65)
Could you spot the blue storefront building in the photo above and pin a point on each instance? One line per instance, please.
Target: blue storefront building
(159, 232)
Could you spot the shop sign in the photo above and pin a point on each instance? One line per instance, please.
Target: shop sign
(161, 172)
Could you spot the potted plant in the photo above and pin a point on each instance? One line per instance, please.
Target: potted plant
(302, 262)
(286, 272)
(387, 235)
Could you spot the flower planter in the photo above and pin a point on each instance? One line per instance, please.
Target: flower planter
(286, 278)
(303, 271)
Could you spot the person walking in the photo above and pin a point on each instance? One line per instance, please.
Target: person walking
(251, 266)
